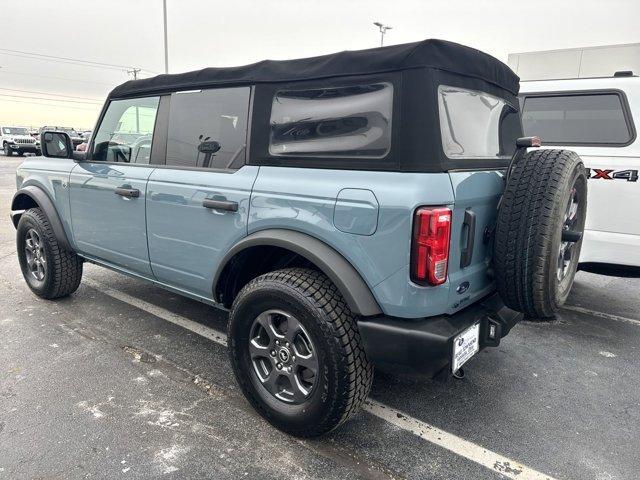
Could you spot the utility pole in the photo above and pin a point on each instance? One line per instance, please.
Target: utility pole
(134, 72)
(383, 30)
(166, 50)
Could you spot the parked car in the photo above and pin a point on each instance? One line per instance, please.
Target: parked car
(364, 208)
(17, 140)
(76, 138)
(596, 118)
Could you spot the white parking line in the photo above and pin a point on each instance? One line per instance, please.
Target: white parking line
(609, 316)
(464, 448)
(469, 450)
(159, 312)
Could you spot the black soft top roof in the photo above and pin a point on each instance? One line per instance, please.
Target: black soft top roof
(436, 54)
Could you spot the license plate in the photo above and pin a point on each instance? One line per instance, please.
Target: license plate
(465, 346)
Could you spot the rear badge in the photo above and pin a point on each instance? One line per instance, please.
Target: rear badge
(463, 287)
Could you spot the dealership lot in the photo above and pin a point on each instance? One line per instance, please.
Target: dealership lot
(123, 379)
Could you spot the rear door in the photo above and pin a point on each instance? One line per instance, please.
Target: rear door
(198, 202)
(108, 191)
(596, 124)
(476, 127)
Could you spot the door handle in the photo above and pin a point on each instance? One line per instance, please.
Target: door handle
(127, 192)
(467, 251)
(225, 205)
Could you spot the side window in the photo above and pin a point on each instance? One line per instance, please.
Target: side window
(577, 119)
(352, 121)
(476, 125)
(126, 131)
(208, 128)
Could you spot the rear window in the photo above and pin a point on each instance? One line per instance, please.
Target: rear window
(476, 125)
(350, 121)
(577, 119)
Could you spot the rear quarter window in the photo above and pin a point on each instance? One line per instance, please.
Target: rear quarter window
(350, 121)
(589, 119)
(476, 125)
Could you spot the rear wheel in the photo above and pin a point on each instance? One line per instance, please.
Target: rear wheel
(539, 231)
(296, 352)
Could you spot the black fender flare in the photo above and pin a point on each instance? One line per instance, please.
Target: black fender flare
(45, 204)
(345, 277)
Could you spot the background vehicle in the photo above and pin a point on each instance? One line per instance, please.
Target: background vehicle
(76, 138)
(596, 118)
(17, 140)
(358, 223)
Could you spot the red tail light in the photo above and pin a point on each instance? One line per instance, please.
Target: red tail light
(430, 245)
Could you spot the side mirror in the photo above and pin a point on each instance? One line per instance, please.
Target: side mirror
(210, 146)
(56, 145)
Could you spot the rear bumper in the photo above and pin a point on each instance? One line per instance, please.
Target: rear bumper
(425, 346)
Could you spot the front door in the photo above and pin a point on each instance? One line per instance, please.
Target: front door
(198, 203)
(108, 191)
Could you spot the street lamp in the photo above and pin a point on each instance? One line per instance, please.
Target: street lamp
(166, 48)
(383, 30)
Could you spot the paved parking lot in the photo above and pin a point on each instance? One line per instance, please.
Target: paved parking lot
(125, 380)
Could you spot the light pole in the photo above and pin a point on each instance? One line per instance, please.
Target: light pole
(383, 30)
(166, 50)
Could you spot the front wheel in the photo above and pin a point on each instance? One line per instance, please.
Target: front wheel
(49, 270)
(296, 352)
(7, 150)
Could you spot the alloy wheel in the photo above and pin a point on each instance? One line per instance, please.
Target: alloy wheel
(35, 255)
(283, 356)
(567, 249)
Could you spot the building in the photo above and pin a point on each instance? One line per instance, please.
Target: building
(585, 62)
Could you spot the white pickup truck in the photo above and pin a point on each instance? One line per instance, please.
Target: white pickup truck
(595, 118)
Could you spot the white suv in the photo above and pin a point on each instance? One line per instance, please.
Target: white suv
(595, 118)
(17, 140)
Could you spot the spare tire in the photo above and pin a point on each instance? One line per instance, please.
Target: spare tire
(539, 231)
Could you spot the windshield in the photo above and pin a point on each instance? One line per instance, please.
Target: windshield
(15, 131)
(476, 125)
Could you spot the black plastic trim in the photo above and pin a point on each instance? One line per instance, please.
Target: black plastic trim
(425, 346)
(346, 278)
(466, 255)
(46, 205)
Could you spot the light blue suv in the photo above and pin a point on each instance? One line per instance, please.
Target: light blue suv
(364, 208)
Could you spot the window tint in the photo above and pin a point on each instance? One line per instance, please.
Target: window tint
(126, 131)
(352, 121)
(476, 125)
(15, 131)
(576, 119)
(208, 128)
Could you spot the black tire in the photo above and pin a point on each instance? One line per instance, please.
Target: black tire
(344, 372)
(527, 255)
(62, 271)
(7, 151)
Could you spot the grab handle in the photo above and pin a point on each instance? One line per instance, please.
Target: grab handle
(466, 254)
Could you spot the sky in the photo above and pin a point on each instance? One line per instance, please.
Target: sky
(35, 91)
